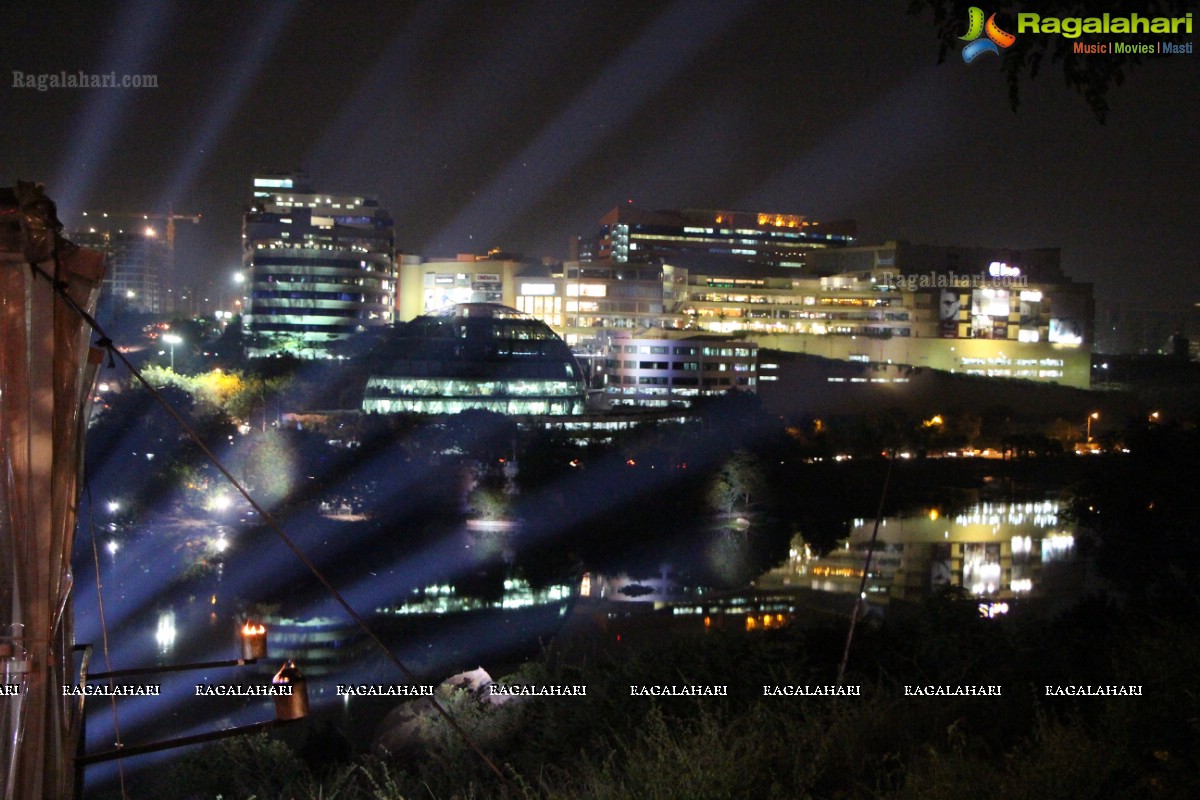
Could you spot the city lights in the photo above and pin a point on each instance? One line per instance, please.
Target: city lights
(448, 400)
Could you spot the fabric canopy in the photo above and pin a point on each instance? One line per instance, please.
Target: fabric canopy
(47, 372)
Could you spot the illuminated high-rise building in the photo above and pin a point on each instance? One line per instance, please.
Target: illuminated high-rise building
(630, 234)
(136, 263)
(318, 266)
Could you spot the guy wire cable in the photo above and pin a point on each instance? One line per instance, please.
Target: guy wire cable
(104, 341)
(87, 484)
(862, 586)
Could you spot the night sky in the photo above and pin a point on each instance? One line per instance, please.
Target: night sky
(514, 125)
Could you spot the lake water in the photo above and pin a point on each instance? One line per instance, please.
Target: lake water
(993, 551)
(174, 593)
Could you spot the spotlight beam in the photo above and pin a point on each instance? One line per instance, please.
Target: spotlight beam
(905, 129)
(255, 47)
(139, 29)
(660, 53)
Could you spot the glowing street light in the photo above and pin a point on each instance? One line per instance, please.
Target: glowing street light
(1092, 416)
(172, 339)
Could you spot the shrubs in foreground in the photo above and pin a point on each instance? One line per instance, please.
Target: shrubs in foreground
(879, 745)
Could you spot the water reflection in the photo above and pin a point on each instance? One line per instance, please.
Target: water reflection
(165, 633)
(450, 603)
(446, 599)
(334, 646)
(997, 551)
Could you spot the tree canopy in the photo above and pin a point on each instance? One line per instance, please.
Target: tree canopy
(1089, 76)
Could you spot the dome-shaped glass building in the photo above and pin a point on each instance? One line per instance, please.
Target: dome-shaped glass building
(475, 355)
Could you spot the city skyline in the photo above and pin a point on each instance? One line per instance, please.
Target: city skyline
(517, 126)
(783, 370)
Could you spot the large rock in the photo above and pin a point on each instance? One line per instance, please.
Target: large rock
(410, 726)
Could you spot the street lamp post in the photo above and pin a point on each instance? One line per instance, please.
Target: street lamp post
(172, 340)
(1092, 416)
(239, 281)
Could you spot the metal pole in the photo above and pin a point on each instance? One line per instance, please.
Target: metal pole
(125, 673)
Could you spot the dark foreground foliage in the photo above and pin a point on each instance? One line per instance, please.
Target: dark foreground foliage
(880, 745)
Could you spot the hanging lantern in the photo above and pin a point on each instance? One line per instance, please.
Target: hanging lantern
(254, 641)
(295, 705)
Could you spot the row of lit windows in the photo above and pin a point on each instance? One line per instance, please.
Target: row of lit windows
(853, 301)
(311, 245)
(327, 279)
(269, 328)
(285, 311)
(779, 300)
(654, 380)
(624, 322)
(456, 405)
(718, 235)
(727, 352)
(307, 263)
(345, 297)
(314, 199)
(451, 387)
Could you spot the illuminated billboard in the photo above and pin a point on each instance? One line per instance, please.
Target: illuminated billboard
(990, 303)
(989, 313)
(949, 308)
(1067, 315)
(1065, 331)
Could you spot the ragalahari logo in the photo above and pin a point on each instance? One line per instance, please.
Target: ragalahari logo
(976, 27)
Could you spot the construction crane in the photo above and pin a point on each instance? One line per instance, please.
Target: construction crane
(170, 217)
(168, 279)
